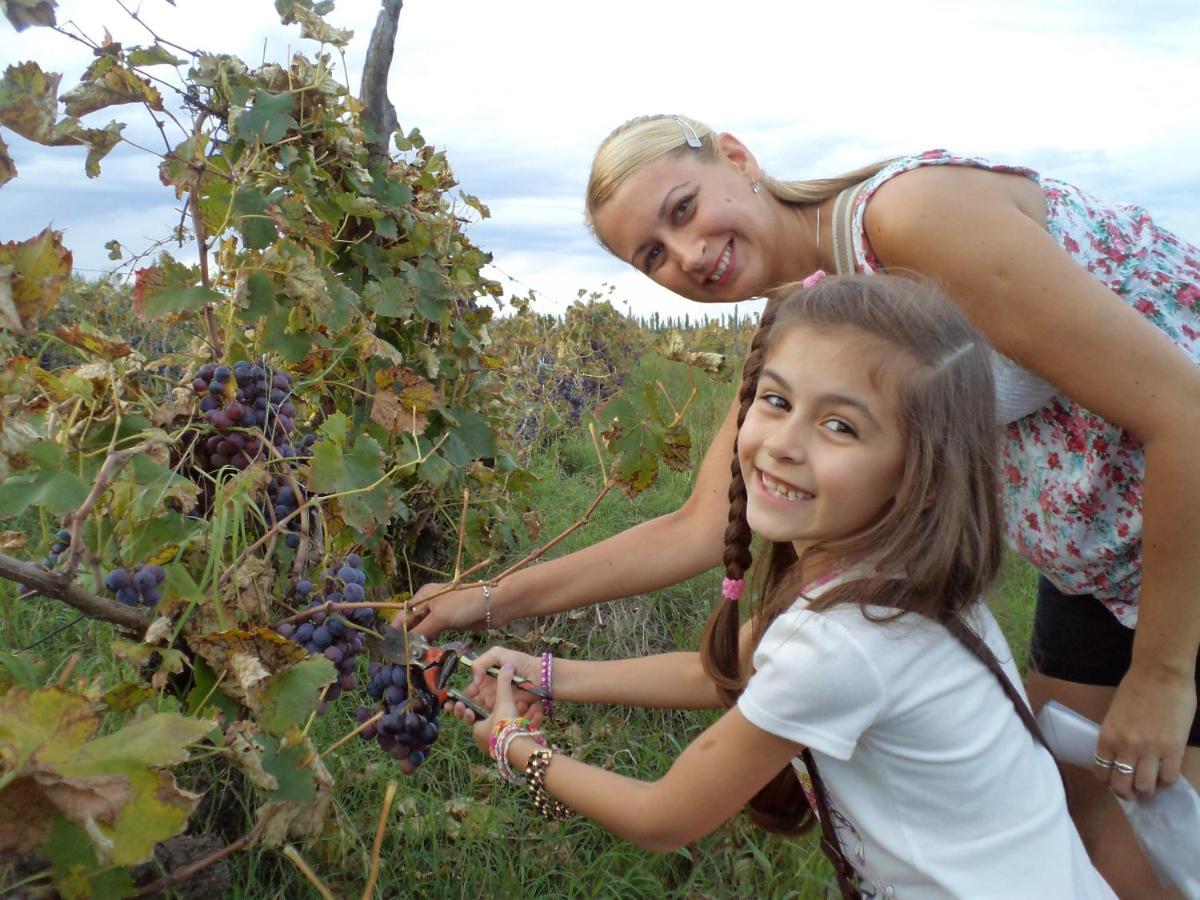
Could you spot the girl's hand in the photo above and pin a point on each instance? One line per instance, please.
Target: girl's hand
(505, 707)
(461, 609)
(483, 688)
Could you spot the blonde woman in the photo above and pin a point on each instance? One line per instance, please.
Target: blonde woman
(1093, 312)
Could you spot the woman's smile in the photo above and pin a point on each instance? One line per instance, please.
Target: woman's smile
(722, 272)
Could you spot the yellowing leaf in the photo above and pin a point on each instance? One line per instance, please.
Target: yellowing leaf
(94, 344)
(23, 13)
(274, 654)
(8, 169)
(34, 273)
(107, 83)
(110, 786)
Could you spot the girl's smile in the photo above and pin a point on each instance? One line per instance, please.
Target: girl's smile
(822, 448)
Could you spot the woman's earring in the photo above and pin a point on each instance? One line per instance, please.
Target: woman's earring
(756, 187)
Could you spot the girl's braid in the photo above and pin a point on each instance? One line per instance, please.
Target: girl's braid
(722, 659)
(737, 532)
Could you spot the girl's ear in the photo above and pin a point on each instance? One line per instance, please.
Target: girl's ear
(739, 154)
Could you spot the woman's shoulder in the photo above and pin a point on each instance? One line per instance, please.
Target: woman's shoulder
(944, 160)
(914, 194)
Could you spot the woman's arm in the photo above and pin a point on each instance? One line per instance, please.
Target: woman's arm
(652, 555)
(712, 779)
(974, 232)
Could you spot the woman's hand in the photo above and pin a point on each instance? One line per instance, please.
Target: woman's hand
(483, 689)
(1146, 727)
(437, 607)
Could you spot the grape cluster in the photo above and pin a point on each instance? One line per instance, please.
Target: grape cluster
(62, 540)
(237, 400)
(410, 712)
(337, 636)
(138, 587)
(284, 501)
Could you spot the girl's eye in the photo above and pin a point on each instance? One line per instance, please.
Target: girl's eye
(775, 401)
(651, 258)
(841, 427)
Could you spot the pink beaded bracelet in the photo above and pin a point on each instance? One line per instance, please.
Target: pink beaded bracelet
(548, 683)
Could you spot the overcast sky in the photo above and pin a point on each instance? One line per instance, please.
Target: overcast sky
(1103, 93)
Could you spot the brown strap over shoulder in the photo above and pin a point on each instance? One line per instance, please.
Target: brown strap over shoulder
(842, 229)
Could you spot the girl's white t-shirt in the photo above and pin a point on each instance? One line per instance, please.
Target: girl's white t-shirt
(936, 787)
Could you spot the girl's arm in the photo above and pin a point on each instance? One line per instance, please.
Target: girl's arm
(978, 234)
(651, 555)
(665, 681)
(711, 780)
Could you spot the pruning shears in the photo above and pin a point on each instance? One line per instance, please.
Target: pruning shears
(437, 664)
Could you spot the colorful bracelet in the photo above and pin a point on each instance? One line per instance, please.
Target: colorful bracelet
(500, 725)
(535, 775)
(507, 731)
(548, 683)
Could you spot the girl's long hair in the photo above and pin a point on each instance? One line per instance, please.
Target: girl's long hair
(942, 530)
(647, 139)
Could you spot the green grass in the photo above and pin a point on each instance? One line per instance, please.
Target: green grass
(456, 830)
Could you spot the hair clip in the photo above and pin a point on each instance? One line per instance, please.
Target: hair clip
(689, 133)
(813, 278)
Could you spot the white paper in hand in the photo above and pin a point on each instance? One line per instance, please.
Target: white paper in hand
(1167, 824)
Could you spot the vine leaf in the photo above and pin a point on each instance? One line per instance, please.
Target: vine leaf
(292, 695)
(110, 786)
(29, 106)
(155, 55)
(8, 169)
(59, 491)
(108, 83)
(635, 443)
(247, 657)
(168, 288)
(335, 471)
(23, 13)
(78, 871)
(95, 344)
(312, 26)
(407, 406)
(672, 346)
(33, 274)
(268, 118)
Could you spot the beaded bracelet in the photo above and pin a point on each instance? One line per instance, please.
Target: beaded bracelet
(548, 683)
(535, 775)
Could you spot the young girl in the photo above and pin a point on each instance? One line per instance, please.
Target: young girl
(865, 458)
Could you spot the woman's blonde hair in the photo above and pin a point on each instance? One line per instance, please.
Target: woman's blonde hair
(646, 139)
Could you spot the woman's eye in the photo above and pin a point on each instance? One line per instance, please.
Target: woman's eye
(683, 207)
(774, 401)
(651, 258)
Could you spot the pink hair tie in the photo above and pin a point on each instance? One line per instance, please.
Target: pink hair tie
(731, 588)
(813, 278)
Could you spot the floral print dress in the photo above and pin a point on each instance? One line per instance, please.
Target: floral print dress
(1071, 481)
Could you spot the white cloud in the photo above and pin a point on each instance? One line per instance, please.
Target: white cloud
(519, 94)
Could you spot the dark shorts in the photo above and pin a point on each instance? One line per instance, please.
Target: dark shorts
(1075, 638)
